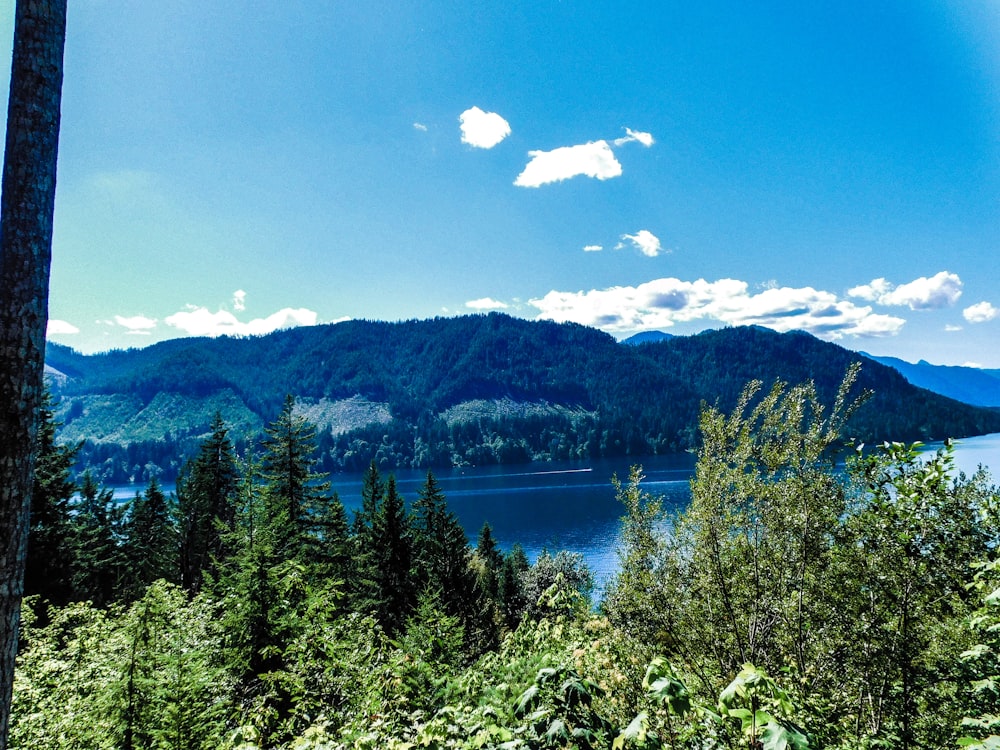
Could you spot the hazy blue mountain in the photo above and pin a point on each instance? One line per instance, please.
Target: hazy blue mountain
(969, 384)
(646, 337)
(473, 389)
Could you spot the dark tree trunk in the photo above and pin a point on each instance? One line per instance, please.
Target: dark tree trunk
(26, 207)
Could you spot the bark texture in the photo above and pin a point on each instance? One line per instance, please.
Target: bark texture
(27, 198)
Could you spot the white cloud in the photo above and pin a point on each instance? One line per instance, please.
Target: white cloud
(952, 328)
(594, 159)
(198, 321)
(57, 327)
(239, 300)
(980, 312)
(420, 126)
(137, 325)
(592, 248)
(486, 303)
(646, 139)
(662, 303)
(645, 241)
(482, 129)
(941, 290)
(976, 365)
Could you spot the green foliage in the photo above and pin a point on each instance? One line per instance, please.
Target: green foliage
(150, 543)
(49, 557)
(791, 593)
(206, 506)
(148, 676)
(981, 721)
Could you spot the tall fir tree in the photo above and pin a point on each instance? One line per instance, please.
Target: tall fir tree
(150, 545)
(491, 559)
(392, 544)
(206, 506)
(47, 570)
(294, 494)
(443, 561)
(96, 531)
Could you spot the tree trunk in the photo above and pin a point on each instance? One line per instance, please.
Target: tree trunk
(26, 207)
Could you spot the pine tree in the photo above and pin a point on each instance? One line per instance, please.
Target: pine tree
(515, 565)
(47, 570)
(328, 546)
(365, 588)
(96, 560)
(205, 506)
(492, 561)
(150, 546)
(393, 549)
(294, 495)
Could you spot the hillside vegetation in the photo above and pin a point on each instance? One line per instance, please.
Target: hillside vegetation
(456, 391)
(795, 604)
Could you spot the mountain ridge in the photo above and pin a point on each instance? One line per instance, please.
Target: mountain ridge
(522, 390)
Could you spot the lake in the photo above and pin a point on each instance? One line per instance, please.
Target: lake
(570, 506)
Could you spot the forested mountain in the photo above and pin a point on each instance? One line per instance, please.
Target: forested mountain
(452, 391)
(968, 384)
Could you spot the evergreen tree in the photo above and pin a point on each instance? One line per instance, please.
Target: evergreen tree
(392, 544)
(492, 561)
(372, 490)
(96, 560)
(328, 545)
(441, 548)
(150, 547)
(205, 506)
(47, 570)
(365, 586)
(512, 598)
(294, 495)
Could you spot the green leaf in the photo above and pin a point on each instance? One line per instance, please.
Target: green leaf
(526, 700)
(634, 732)
(782, 737)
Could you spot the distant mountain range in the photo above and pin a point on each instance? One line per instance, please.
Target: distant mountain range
(969, 384)
(466, 390)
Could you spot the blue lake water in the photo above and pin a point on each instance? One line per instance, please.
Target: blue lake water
(572, 506)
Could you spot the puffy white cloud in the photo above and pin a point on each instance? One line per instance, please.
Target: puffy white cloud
(57, 327)
(940, 290)
(646, 139)
(199, 321)
(594, 159)
(980, 312)
(664, 302)
(239, 300)
(592, 248)
(137, 325)
(482, 129)
(486, 303)
(871, 292)
(645, 241)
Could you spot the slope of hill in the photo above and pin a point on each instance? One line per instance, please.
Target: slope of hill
(451, 391)
(968, 384)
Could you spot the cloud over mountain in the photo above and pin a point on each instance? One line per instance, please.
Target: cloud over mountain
(664, 302)
(941, 290)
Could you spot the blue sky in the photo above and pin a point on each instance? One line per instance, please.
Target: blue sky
(233, 167)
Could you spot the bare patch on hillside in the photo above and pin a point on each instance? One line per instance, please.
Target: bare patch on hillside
(508, 408)
(345, 414)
